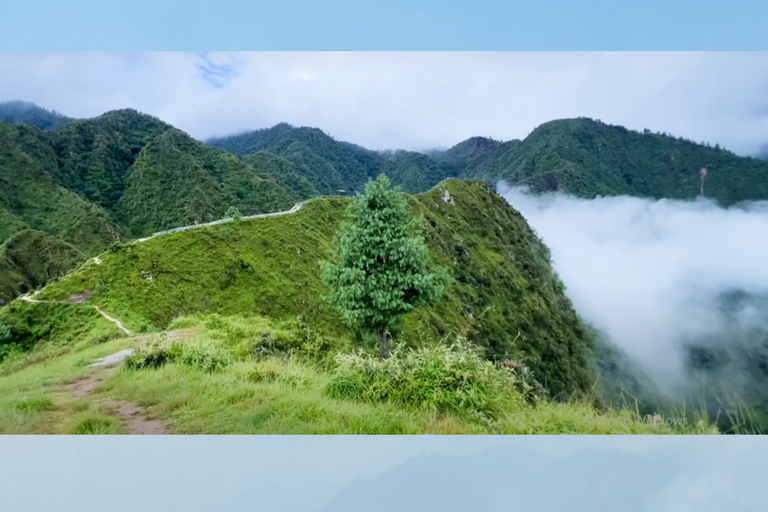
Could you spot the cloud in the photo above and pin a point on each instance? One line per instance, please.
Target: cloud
(409, 100)
(650, 273)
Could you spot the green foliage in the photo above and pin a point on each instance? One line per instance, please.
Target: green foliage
(587, 158)
(30, 198)
(503, 295)
(31, 258)
(445, 377)
(308, 161)
(381, 267)
(205, 357)
(178, 181)
(94, 155)
(5, 333)
(283, 171)
(31, 114)
(96, 425)
(34, 403)
(233, 213)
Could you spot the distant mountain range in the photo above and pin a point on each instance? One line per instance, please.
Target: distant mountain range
(92, 182)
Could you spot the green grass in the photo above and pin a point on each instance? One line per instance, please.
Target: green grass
(500, 271)
(285, 391)
(34, 397)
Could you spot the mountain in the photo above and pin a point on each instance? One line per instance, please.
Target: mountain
(24, 112)
(177, 181)
(504, 295)
(517, 479)
(31, 198)
(94, 155)
(93, 182)
(330, 165)
(587, 158)
(473, 152)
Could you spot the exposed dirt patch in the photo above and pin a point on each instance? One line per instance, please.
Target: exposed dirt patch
(80, 297)
(86, 385)
(134, 420)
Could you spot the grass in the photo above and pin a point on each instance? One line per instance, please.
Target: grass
(500, 273)
(285, 391)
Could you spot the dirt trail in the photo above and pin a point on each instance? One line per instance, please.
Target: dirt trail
(75, 299)
(132, 415)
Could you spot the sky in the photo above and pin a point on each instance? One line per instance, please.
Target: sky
(246, 473)
(408, 100)
(649, 272)
(384, 25)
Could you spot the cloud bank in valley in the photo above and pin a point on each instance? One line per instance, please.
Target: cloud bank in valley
(649, 273)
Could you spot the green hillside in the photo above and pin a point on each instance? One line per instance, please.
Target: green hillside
(588, 158)
(330, 165)
(179, 181)
(30, 198)
(504, 295)
(94, 155)
(31, 258)
(24, 112)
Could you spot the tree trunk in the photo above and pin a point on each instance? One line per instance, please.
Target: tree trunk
(384, 343)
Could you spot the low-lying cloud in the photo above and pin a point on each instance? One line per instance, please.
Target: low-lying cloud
(651, 273)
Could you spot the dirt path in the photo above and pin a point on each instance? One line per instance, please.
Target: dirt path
(133, 416)
(113, 320)
(75, 300)
(293, 210)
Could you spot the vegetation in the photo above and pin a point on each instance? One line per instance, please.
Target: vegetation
(31, 258)
(503, 295)
(587, 158)
(381, 268)
(177, 181)
(293, 389)
(28, 113)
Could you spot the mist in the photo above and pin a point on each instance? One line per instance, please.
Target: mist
(657, 276)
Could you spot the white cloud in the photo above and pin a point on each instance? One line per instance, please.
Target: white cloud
(411, 100)
(649, 272)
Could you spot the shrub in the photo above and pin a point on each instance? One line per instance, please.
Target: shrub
(233, 213)
(204, 356)
(445, 377)
(5, 333)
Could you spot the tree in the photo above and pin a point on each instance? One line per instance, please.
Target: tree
(382, 268)
(233, 213)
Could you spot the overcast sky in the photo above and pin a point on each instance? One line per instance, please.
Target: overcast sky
(408, 100)
(271, 473)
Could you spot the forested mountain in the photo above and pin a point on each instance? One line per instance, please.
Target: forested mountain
(588, 158)
(31, 114)
(178, 181)
(330, 165)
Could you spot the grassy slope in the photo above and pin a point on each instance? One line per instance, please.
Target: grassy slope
(269, 267)
(250, 396)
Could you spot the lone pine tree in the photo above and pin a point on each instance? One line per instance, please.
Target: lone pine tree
(382, 268)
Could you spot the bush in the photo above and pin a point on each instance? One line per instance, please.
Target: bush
(203, 356)
(449, 378)
(5, 333)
